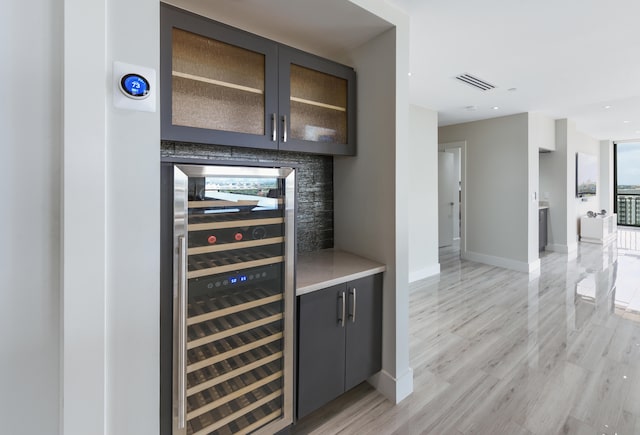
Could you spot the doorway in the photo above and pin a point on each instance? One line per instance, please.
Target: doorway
(455, 215)
(447, 198)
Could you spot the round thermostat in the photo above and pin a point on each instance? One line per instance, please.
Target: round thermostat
(135, 86)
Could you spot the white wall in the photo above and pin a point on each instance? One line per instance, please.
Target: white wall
(588, 145)
(371, 191)
(606, 187)
(423, 193)
(536, 135)
(558, 189)
(84, 234)
(542, 131)
(133, 228)
(558, 184)
(111, 226)
(499, 186)
(30, 179)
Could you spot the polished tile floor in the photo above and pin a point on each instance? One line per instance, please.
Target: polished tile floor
(501, 352)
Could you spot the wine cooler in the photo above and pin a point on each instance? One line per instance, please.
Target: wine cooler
(232, 299)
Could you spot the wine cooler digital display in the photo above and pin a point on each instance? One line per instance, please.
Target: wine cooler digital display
(233, 299)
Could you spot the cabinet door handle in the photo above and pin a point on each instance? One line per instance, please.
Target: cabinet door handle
(284, 128)
(343, 309)
(274, 127)
(182, 332)
(352, 292)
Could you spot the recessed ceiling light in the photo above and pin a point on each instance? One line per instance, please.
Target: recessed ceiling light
(607, 107)
(409, 74)
(626, 122)
(495, 107)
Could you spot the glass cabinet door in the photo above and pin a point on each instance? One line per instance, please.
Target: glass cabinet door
(317, 104)
(233, 299)
(218, 83)
(215, 85)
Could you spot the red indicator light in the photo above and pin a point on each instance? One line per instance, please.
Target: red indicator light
(212, 240)
(238, 237)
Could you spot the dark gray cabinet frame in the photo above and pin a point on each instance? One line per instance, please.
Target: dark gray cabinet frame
(278, 57)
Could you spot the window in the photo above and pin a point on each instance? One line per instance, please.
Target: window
(627, 183)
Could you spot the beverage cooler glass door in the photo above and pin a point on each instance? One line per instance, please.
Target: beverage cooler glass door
(233, 299)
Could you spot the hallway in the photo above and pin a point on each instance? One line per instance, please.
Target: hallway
(496, 351)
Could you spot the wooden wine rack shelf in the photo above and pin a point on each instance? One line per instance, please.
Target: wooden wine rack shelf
(235, 224)
(237, 245)
(223, 203)
(232, 331)
(234, 309)
(234, 267)
(235, 361)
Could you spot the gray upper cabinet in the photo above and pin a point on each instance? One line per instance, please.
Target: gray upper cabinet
(219, 84)
(224, 86)
(317, 104)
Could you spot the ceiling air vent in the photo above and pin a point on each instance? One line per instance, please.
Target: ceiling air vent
(475, 82)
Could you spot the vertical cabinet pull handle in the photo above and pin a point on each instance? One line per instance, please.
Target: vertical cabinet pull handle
(274, 127)
(342, 309)
(182, 332)
(352, 292)
(284, 128)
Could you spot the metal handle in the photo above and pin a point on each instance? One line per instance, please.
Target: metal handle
(343, 312)
(182, 332)
(284, 128)
(353, 314)
(274, 127)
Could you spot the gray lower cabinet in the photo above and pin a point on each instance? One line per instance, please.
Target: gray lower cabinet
(339, 340)
(542, 228)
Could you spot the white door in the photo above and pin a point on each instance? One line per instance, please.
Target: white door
(446, 198)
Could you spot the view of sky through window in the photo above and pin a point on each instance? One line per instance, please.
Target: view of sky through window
(628, 165)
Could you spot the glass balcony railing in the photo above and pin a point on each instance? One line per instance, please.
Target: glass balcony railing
(628, 209)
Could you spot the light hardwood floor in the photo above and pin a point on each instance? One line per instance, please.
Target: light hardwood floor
(500, 352)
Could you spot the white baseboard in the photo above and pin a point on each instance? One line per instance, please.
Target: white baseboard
(394, 389)
(507, 263)
(563, 249)
(425, 272)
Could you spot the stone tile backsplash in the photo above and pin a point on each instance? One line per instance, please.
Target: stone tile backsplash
(314, 175)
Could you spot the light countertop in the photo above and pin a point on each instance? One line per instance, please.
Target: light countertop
(322, 269)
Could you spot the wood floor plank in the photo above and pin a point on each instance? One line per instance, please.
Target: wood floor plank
(496, 351)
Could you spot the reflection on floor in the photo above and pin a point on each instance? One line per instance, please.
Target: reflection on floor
(497, 352)
(627, 287)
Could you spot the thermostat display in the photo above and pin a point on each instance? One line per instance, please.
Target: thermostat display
(135, 86)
